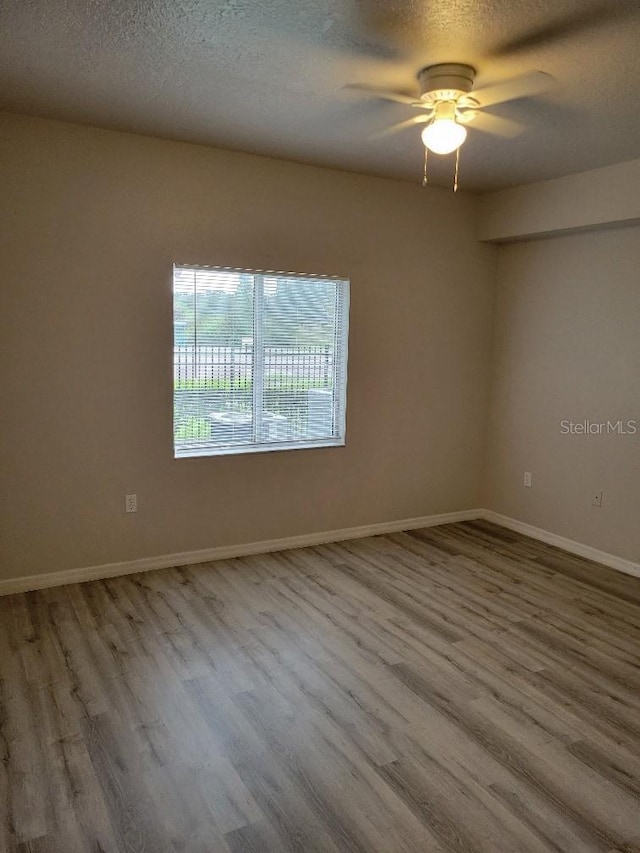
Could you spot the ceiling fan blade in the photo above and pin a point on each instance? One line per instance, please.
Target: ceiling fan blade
(398, 97)
(496, 125)
(573, 24)
(402, 125)
(511, 90)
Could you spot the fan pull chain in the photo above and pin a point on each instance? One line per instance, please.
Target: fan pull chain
(424, 174)
(455, 177)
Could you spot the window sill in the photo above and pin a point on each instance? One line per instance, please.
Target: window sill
(241, 450)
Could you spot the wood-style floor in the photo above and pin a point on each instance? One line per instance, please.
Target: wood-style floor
(459, 688)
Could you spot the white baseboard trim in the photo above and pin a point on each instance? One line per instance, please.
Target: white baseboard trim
(611, 560)
(226, 552)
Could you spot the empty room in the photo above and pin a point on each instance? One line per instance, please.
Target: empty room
(320, 426)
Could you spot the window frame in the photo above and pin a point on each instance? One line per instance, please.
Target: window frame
(341, 353)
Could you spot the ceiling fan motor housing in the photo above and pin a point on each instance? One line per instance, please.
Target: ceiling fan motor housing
(447, 81)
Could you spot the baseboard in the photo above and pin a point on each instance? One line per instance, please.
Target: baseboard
(226, 552)
(611, 560)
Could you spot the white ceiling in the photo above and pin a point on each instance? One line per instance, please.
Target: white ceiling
(266, 76)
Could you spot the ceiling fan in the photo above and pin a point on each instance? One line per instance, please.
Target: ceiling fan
(448, 103)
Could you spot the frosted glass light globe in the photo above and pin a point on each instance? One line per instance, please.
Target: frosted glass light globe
(444, 135)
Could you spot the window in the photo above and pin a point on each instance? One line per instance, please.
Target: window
(259, 360)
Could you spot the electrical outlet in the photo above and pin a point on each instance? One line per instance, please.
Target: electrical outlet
(528, 479)
(131, 503)
(596, 500)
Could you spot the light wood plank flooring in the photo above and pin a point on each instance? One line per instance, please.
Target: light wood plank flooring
(459, 688)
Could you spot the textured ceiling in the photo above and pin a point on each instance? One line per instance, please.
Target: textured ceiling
(266, 76)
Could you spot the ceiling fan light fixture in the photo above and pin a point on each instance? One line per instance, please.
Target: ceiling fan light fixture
(444, 136)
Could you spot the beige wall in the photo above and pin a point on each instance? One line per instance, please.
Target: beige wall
(91, 223)
(567, 346)
(596, 199)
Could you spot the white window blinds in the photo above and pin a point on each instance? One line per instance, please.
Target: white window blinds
(260, 360)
